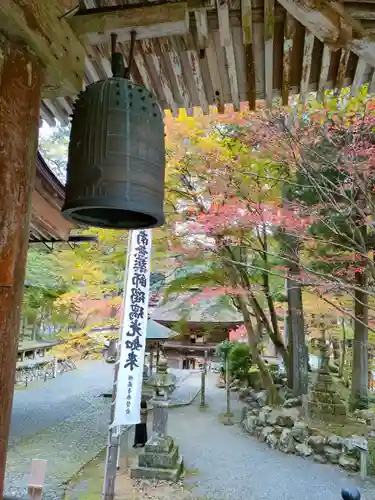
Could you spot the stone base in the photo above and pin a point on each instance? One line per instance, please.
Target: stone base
(158, 473)
(323, 403)
(159, 460)
(159, 444)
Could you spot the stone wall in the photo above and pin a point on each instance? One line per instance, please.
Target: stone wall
(284, 429)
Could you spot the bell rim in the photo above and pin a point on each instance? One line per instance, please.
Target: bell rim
(67, 213)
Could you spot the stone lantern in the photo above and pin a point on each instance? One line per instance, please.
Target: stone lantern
(160, 458)
(163, 382)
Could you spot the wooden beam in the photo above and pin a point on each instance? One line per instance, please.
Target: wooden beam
(343, 64)
(358, 77)
(21, 76)
(63, 103)
(289, 32)
(334, 25)
(47, 115)
(202, 28)
(38, 26)
(226, 41)
(306, 67)
(143, 70)
(61, 117)
(324, 28)
(152, 50)
(247, 38)
(168, 47)
(346, 18)
(269, 34)
(213, 69)
(365, 49)
(151, 21)
(326, 61)
(365, 12)
(196, 73)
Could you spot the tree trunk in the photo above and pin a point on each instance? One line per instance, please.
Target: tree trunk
(273, 332)
(343, 349)
(275, 338)
(359, 392)
(273, 396)
(299, 353)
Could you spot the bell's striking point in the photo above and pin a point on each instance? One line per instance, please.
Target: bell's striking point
(116, 161)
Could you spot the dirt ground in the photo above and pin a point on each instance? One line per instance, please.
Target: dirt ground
(131, 489)
(87, 484)
(128, 489)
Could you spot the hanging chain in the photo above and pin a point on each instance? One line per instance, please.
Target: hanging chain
(117, 66)
(133, 35)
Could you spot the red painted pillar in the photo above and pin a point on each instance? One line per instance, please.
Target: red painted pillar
(20, 89)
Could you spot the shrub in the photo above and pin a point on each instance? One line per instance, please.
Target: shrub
(239, 360)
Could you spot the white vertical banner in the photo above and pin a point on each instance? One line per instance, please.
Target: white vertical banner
(133, 334)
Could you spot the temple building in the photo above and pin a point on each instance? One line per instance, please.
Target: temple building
(201, 326)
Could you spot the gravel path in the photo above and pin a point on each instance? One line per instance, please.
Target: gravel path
(44, 404)
(187, 388)
(67, 447)
(232, 465)
(64, 421)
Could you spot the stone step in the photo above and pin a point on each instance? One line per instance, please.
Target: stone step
(157, 473)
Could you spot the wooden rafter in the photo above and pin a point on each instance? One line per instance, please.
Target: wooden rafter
(152, 51)
(334, 26)
(193, 61)
(326, 60)
(226, 41)
(169, 49)
(269, 34)
(289, 32)
(202, 28)
(358, 77)
(316, 22)
(343, 64)
(211, 56)
(306, 66)
(247, 38)
(143, 71)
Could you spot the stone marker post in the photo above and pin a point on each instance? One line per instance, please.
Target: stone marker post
(227, 383)
(203, 380)
(160, 459)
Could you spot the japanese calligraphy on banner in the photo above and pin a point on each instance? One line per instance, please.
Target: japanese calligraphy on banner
(133, 335)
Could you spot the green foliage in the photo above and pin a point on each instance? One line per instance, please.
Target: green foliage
(239, 360)
(54, 147)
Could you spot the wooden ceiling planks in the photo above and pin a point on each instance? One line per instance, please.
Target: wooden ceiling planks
(242, 51)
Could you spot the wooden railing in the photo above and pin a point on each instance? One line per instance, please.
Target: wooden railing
(41, 369)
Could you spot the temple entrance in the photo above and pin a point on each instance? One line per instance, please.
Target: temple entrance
(188, 364)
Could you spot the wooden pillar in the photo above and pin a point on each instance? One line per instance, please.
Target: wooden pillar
(20, 91)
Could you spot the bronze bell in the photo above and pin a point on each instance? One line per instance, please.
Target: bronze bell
(116, 162)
